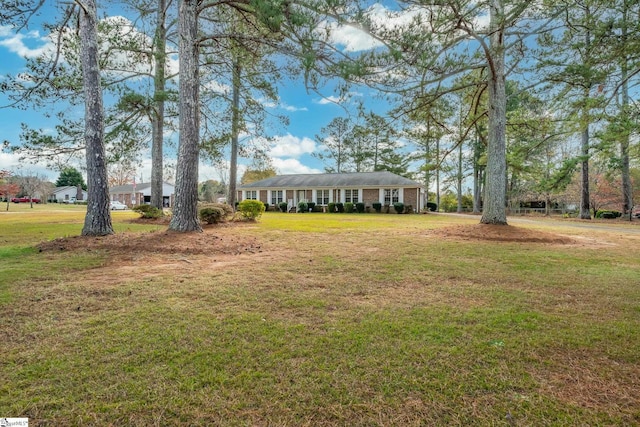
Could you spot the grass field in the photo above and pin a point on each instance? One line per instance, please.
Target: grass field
(329, 320)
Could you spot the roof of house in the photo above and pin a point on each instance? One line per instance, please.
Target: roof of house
(334, 180)
(66, 188)
(128, 188)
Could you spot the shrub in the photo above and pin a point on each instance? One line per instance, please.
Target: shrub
(377, 206)
(408, 209)
(348, 207)
(360, 207)
(331, 207)
(251, 209)
(148, 211)
(212, 215)
(340, 207)
(266, 207)
(607, 214)
(311, 206)
(303, 207)
(431, 206)
(398, 207)
(283, 206)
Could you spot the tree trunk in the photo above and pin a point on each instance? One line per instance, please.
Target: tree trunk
(459, 179)
(235, 130)
(97, 221)
(185, 212)
(627, 190)
(157, 116)
(494, 210)
(585, 213)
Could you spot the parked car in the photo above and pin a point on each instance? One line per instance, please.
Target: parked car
(117, 206)
(25, 200)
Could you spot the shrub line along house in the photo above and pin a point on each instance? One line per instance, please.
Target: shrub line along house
(365, 187)
(140, 194)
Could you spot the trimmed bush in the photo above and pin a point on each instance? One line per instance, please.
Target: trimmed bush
(348, 207)
(303, 207)
(331, 207)
(266, 207)
(398, 207)
(251, 209)
(607, 214)
(340, 207)
(431, 206)
(148, 211)
(311, 206)
(360, 207)
(377, 206)
(212, 215)
(283, 206)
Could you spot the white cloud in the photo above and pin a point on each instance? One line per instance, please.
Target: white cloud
(19, 43)
(292, 166)
(291, 146)
(328, 100)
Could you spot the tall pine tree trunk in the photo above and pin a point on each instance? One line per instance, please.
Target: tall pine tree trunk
(235, 130)
(627, 190)
(585, 212)
(185, 212)
(97, 221)
(494, 210)
(157, 117)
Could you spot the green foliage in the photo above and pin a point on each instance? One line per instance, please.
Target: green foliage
(303, 207)
(251, 209)
(148, 211)
(608, 214)
(212, 215)
(311, 206)
(266, 207)
(432, 206)
(70, 177)
(340, 207)
(331, 207)
(348, 207)
(398, 207)
(360, 207)
(283, 206)
(377, 206)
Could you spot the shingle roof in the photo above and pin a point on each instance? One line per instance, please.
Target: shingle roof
(127, 188)
(334, 180)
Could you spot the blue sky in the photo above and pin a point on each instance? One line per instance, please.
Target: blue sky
(292, 147)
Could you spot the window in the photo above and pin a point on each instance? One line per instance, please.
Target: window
(322, 197)
(391, 196)
(276, 197)
(351, 196)
(251, 195)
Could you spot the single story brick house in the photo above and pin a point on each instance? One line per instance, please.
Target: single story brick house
(322, 189)
(139, 194)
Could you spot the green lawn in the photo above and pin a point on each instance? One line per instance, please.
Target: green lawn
(340, 320)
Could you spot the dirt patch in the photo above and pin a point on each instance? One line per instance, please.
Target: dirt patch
(502, 233)
(213, 240)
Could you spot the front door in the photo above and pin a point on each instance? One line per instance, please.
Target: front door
(302, 195)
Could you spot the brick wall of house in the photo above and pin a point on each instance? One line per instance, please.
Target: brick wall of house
(262, 196)
(411, 197)
(370, 195)
(289, 196)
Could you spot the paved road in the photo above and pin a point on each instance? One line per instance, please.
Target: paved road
(632, 227)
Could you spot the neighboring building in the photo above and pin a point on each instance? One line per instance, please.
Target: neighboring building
(138, 194)
(60, 194)
(322, 189)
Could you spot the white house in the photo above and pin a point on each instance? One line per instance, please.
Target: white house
(60, 194)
